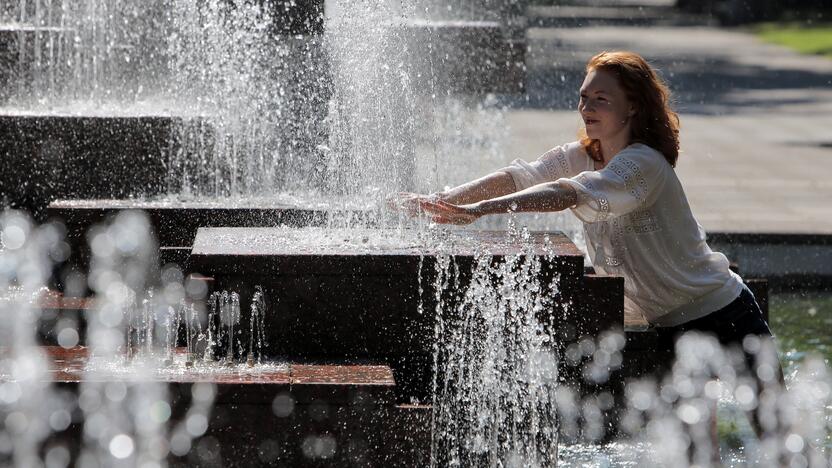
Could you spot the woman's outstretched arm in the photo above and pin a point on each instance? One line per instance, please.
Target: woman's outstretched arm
(493, 185)
(547, 197)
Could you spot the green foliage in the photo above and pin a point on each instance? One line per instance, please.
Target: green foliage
(815, 39)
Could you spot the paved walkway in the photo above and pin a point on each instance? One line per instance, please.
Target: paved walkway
(756, 118)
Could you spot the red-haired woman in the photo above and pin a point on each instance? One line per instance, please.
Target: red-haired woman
(619, 180)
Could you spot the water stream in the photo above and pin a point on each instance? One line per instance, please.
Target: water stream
(343, 117)
(494, 398)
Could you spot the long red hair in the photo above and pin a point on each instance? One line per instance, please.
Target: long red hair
(654, 123)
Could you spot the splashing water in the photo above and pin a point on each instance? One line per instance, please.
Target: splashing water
(257, 332)
(28, 399)
(494, 391)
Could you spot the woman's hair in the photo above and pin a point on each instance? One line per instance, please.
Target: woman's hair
(654, 123)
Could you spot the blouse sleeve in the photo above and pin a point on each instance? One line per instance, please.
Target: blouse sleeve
(558, 162)
(631, 180)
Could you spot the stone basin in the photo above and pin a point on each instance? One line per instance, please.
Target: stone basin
(351, 406)
(369, 294)
(175, 222)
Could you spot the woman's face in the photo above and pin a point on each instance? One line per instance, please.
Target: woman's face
(604, 107)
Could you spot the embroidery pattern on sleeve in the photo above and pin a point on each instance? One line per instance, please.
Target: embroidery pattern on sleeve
(603, 203)
(607, 243)
(634, 181)
(557, 166)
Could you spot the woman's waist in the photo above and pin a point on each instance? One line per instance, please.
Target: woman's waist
(692, 303)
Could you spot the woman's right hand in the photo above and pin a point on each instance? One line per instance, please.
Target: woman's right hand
(409, 203)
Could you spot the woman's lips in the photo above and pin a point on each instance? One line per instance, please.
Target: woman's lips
(590, 121)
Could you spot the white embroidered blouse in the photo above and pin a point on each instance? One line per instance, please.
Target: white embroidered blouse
(639, 225)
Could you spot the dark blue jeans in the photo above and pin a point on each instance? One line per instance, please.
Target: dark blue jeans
(730, 325)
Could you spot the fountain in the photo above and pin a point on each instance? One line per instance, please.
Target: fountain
(243, 300)
(183, 102)
(336, 338)
(188, 109)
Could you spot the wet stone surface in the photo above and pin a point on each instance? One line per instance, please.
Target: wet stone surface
(365, 294)
(176, 222)
(273, 246)
(338, 382)
(66, 156)
(273, 412)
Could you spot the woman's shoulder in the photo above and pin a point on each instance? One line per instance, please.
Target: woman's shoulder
(564, 160)
(642, 155)
(574, 148)
(573, 152)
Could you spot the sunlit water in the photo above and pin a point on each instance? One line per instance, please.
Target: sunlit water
(497, 400)
(178, 367)
(495, 392)
(340, 114)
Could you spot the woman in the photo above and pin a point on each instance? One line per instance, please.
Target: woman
(619, 180)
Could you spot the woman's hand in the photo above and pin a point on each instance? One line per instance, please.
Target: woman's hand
(409, 203)
(446, 213)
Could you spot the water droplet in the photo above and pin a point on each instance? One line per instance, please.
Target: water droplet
(121, 446)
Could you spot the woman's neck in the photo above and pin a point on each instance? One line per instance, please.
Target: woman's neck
(612, 146)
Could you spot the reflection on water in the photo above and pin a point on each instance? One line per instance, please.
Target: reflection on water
(801, 322)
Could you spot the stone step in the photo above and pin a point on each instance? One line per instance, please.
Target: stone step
(48, 157)
(356, 294)
(175, 222)
(279, 414)
(105, 156)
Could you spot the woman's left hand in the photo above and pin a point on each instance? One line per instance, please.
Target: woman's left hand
(446, 213)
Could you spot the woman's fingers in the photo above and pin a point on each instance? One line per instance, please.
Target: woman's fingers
(439, 210)
(405, 202)
(447, 213)
(439, 206)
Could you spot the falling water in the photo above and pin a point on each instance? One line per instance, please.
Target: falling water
(115, 425)
(495, 391)
(257, 332)
(30, 406)
(344, 115)
(88, 54)
(225, 334)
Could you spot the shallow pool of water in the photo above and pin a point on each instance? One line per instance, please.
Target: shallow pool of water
(801, 322)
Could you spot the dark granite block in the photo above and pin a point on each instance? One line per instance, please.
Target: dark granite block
(293, 17)
(175, 222)
(600, 305)
(331, 415)
(356, 294)
(54, 157)
(597, 308)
